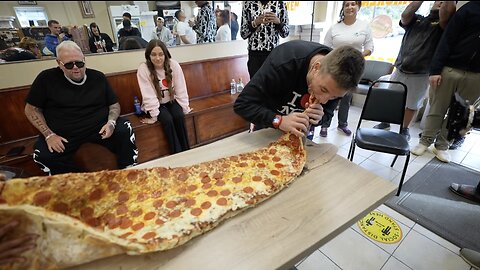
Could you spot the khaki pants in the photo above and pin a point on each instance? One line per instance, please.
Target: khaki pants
(466, 84)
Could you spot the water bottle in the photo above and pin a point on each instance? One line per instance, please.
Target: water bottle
(233, 86)
(239, 85)
(136, 104)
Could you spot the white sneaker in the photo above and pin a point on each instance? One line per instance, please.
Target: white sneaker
(442, 155)
(419, 149)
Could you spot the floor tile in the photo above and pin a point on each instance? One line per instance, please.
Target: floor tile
(317, 261)
(350, 250)
(439, 240)
(420, 253)
(394, 264)
(397, 216)
(472, 161)
(379, 169)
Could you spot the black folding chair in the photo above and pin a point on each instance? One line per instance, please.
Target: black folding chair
(383, 104)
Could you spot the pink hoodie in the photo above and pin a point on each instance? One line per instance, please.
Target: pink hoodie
(150, 101)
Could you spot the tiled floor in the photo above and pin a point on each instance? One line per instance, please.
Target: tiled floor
(419, 248)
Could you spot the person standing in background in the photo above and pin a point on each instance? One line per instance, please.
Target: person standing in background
(184, 33)
(356, 33)
(54, 38)
(164, 94)
(234, 25)
(205, 24)
(162, 33)
(263, 23)
(126, 16)
(99, 42)
(223, 33)
(416, 52)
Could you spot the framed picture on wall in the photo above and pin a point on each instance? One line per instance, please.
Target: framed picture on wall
(86, 9)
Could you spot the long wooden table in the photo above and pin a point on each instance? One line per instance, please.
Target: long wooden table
(324, 201)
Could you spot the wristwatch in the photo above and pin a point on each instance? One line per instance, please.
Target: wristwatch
(277, 121)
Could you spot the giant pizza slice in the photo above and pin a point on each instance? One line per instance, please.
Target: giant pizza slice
(81, 217)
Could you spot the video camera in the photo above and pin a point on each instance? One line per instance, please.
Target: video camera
(462, 116)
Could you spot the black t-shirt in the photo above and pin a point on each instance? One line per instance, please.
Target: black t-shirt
(421, 37)
(72, 111)
(280, 84)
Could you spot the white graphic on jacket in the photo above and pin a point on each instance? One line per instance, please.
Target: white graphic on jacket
(293, 105)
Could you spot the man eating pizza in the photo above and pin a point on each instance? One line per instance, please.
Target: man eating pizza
(279, 92)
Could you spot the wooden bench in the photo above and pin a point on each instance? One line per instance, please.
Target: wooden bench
(212, 117)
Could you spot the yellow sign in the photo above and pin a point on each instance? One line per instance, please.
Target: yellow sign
(380, 227)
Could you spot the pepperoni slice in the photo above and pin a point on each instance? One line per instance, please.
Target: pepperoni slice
(225, 165)
(2, 200)
(94, 222)
(220, 183)
(257, 178)
(125, 235)
(42, 197)
(206, 205)
(141, 197)
(265, 158)
(182, 190)
(182, 176)
(196, 212)
(218, 175)
(279, 165)
(248, 189)
(234, 158)
(237, 179)
(243, 164)
(158, 203)
(149, 235)
(276, 159)
(159, 222)
(272, 151)
(137, 213)
(132, 175)
(138, 226)
(212, 193)
(175, 213)
(275, 172)
(268, 182)
(96, 194)
(206, 186)
(114, 187)
(164, 173)
(190, 202)
(205, 179)
(171, 204)
(86, 212)
(126, 223)
(255, 158)
(123, 197)
(122, 209)
(192, 188)
(261, 165)
(114, 223)
(60, 207)
(222, 201)
(108, 217)
(149, 215)
(203, 174)
(225, 192)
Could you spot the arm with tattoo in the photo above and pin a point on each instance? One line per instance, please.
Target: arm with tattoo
(35, 116)
(113, 111)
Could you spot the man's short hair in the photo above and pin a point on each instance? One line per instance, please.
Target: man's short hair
(128, 15)
(160, 19)
(127, 24)
(51, 22)
(67, 44)
(345, 64)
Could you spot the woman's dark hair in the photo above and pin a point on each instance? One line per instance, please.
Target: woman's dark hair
(131, 44)
(224, 16)
(342, 14)
(166, 66)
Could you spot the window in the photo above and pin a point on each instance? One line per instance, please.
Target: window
(31, 16)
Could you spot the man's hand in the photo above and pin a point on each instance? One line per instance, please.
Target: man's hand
(270, 17)
(314, 112)
(435, 80)
(11, 250)
(295, 123)
(55, 143)
(106, 131)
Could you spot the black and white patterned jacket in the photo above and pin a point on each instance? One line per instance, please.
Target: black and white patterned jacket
(266, 36)
(206, 24)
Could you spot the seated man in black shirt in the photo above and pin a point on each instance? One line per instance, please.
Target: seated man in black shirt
(279, 92)
(71, 105)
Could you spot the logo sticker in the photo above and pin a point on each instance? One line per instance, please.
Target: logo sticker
(380, 227)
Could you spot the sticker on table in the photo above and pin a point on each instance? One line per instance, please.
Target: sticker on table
(380, 227)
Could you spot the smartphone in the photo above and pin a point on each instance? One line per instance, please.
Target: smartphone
(15, 151)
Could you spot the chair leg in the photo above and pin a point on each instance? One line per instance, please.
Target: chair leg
(393, 162)
(403, 174)
(352, 149)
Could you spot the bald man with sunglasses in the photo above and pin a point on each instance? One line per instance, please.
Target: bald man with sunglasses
(71, 105)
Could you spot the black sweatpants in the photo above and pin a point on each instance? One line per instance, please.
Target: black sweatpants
(255, 61)
(122, 143)
(172, 119)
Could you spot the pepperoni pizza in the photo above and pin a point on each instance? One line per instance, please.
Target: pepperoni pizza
(143, 210)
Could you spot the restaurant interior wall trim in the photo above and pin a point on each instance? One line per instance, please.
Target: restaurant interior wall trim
(21, 74)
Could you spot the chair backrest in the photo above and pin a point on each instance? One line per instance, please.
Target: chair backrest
(375, 69)
(385, 104)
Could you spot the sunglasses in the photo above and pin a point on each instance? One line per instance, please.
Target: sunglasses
(69, 65)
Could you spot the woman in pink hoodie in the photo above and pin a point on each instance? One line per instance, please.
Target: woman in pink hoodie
(164, 94)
